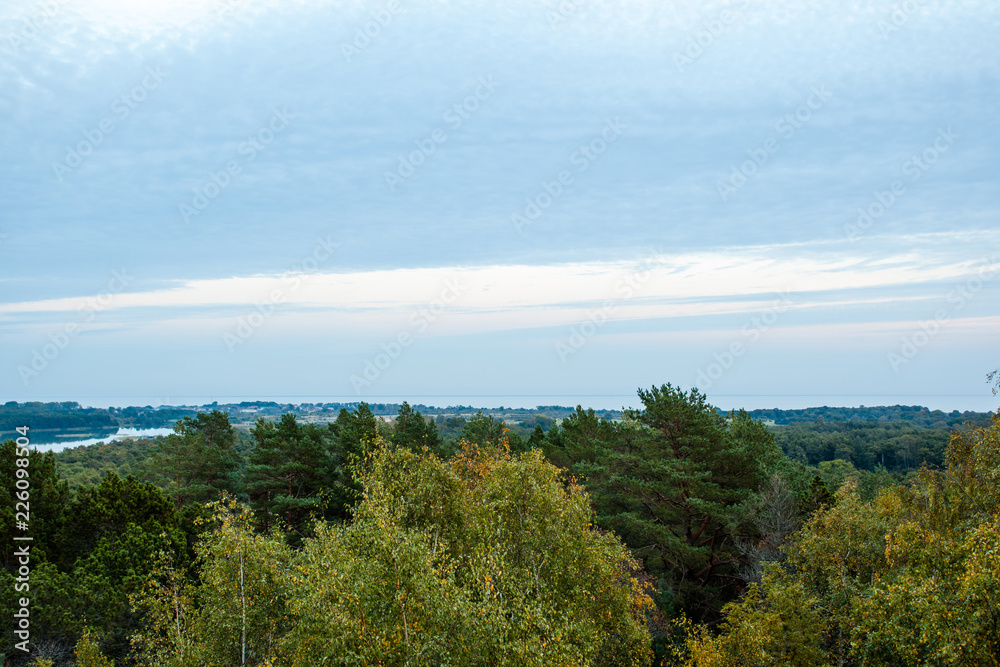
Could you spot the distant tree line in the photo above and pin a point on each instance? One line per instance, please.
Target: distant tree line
(914, 415)
(52, 415)
(676, 534)
(69, 415)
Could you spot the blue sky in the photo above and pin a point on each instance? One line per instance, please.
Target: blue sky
(774, 201)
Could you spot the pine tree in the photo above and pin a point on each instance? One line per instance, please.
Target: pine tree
(198, 461)
(484, 430)
(414, 432)
(354, 432)
(678, 489)
(350, 438)
(289, 471)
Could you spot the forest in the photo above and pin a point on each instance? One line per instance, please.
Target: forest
(66, 417)
(671, 534)
(52, 415)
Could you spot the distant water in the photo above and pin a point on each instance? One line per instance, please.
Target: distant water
(56, 441)
(983, 402)
(46, 444)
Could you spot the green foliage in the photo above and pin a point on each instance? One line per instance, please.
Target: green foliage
(107, 510)
(47, 501)
(87, 464)
(354, 432)
(911, 415)
(288, 473)
(909, 578)
(149, 417)
(544, 422)
(38, 416)
(940, 600)
(242, 593)
(777, 623)
(236, 613)
(487, 430)
(776, 517)
(55, 612)
(412, 431)
(484, 430)
(489, 559)
(582, 438)
(351, 437)
(398, 548)
(103, 551)
(169, 634)
(93, 594)
(896, 446)
(198, 462)
(88, 653)
(485, 560)
(678, 491)
(837, 472)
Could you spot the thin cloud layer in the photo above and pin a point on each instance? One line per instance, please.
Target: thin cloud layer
(538, 151)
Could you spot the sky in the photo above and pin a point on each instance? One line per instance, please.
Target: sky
(780, 203)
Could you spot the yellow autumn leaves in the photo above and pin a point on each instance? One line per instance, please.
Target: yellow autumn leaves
(909, 578)
(486, 559)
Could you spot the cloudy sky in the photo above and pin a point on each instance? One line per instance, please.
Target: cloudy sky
(782, 203)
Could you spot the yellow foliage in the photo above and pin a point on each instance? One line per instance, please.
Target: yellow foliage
(912, 577)
(88, 653)
(488, 559)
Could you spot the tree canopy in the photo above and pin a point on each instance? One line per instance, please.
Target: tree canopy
(668, 534)
(909, 578)
(487, 559)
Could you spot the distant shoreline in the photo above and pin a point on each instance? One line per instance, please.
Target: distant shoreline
(67, 424)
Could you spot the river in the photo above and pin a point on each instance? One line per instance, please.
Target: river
(56, 440)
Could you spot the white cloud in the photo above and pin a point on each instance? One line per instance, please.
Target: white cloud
(499, 297)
